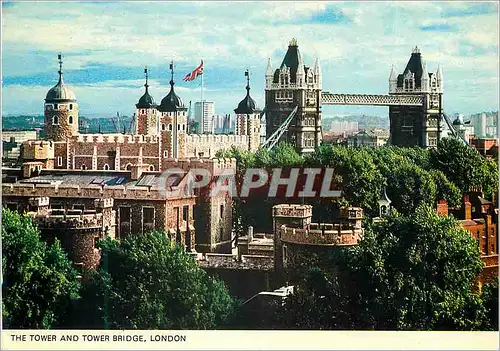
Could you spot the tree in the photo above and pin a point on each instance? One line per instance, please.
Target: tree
(464, 166)
(145, 283)
(411, 272)
(408, 186)
(39, 283)
(490, 301)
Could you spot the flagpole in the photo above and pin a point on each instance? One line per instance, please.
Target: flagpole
(202, 119)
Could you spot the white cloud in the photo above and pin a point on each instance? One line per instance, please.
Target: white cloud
(356, 56)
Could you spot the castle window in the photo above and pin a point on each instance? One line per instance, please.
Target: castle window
(163, 127)
(221, 211)
(183, 127)
(185, 213)
(170, 127)
(70, 106)
(83, 167)
(59, 161)
(284, 254)
(151, 167)
(106, 167)
(142, 111)
(178, 127)
(128, 167)
(165, 154)
(55, 120)
(56, 106)
(70, 119)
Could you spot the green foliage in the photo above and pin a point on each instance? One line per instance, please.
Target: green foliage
(408, 186)
(360, 179)
(464, 166)
(39, 283)
(412, 272)
(490, 300)
(145, 283)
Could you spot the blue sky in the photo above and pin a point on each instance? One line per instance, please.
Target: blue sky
(106, 45)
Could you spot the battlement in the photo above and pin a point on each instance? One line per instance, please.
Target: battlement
(228, 261)
(351, 213)
(71, 219)
(217, 139)
(292, 210)
(215, 165)
(89, 191)
(117, 138)
(322, 235)
(38, 150)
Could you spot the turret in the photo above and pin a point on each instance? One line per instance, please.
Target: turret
(61, 110)
(269, 73)
(301, 74)
(173, 121)
(440, 81)
(425, 79)
(248, 119)
(147, 119)
(317, 73)
(393, 81)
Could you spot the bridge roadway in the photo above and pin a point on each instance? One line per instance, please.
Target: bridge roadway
(372, 100)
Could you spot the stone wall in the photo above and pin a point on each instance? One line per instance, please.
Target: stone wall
(63, 129)
(207, 145)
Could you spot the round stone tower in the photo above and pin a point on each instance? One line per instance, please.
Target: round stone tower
(61, 111)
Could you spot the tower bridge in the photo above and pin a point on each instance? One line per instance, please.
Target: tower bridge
(294, 99)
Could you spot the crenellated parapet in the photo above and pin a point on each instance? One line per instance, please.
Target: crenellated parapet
(215, 166)
(322, 234)
(117, 138)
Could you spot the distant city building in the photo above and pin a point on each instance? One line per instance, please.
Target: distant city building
(370, 138)
(205, 120)
(18, 136)
(344, 127)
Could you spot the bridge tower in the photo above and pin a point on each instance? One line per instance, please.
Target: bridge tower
(417, 125)
(294, 84)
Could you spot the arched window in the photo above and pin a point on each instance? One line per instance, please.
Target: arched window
(106, 167)
(170, 127)
(163, 127)
(70, 120)
(151, 167)
(55, 120)
(83, 167)
(70, 106)
(128, 167)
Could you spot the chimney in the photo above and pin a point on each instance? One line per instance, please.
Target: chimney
(467, 208)
(137, 170)
(442, 208)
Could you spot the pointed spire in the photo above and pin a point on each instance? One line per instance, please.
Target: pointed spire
(59, 57)
(392, 76)
(269, 70)
(247, 74)
(146, 74)
(317, 67)
(439, 73)
(172, 75)
(425, 74)
(300, 65)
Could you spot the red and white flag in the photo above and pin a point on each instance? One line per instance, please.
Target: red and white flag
(198, 71)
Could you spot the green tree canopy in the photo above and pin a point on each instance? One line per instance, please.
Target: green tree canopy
(145, 283)
(408, 273)
(39, 283)
(464, 166)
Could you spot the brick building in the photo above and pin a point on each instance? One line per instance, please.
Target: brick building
(136, 199)
(480, 218)
(161, 133)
